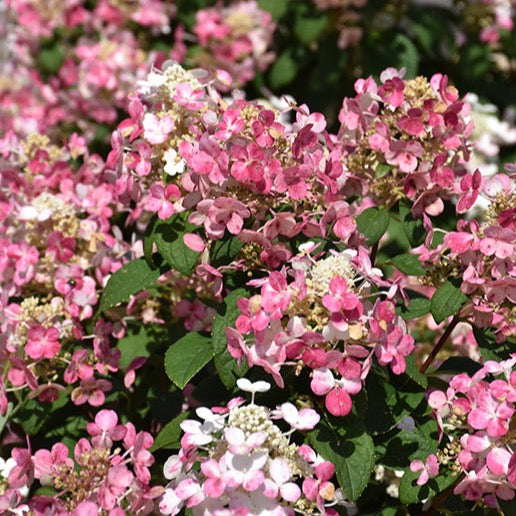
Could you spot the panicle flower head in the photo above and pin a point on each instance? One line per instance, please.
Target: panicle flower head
(482, 257)
(406, 139)
(475, 415)
(99, 476)
(236, 38)
(242, 461)
(58, 249)
(317, 315)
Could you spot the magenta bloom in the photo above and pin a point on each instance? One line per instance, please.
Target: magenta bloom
(429, 469)
(491, 415)
(42, 342)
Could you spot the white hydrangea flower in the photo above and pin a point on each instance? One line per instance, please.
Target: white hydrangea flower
(246, 385)
(6, 466)
(174, 163)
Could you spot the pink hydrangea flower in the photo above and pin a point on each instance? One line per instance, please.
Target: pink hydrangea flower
(429, 469)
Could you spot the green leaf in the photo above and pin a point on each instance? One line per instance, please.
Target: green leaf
(391, 398)
(185, 358)
(447, 300)
(345, 442)
(413, 372)
(309, 29)
(399, 447)
(410, 492)
(61, 426)
(373, 223)
(168, 236)
(412, 227)
(46, 491)
(489, 348)
(135, 344)
(459, 365)
(390, 511)
(226, 316)
(406, 54)
(283, 70)
(408, 264)
(5, 418)
(382, 170)
(228, 369)
(33, 414)
(276, 7)
(423, 35)
(475, 60)
(50, 59)
(223, 251)
(148, 239)
(170, 435)
(132, 278)
(417, 307)
(210, 390)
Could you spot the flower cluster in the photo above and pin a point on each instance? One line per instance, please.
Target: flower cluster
(228, 161)
(238, 460)
(222, 230)
(482, 255)
(97, 77)
(406, 140)
(474, 417)
(58, 249)
(323, 320)
(28, 105)
(487, 18)
(101, 476)
(35, 20)
(348, 17)
(87, 80)
(84, 82)
(236, 38)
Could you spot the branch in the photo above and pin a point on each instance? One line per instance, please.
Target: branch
(440, 344)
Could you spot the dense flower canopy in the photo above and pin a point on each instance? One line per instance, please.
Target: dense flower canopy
(257, 257)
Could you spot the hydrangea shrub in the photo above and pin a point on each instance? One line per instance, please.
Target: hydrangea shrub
(229, 289)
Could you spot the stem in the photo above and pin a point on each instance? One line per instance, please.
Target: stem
(440, 344)
(9, 415)
(374, 252)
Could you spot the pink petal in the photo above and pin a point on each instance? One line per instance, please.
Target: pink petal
(331, 303)
(497, 427)
(498, 461)
(253, 480)
(338, 402)
(325, 470)
(234, 436)
(310, 488)
(432, 466)
(213, 487)
(290, 492)
(211, 468)
(478, 419)
(256, 439)
(423, 478)
(194, 242)
(308, 419)
(187, 488)
(279, 470)
(511, 472)
(322, 381)
(416, 465)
